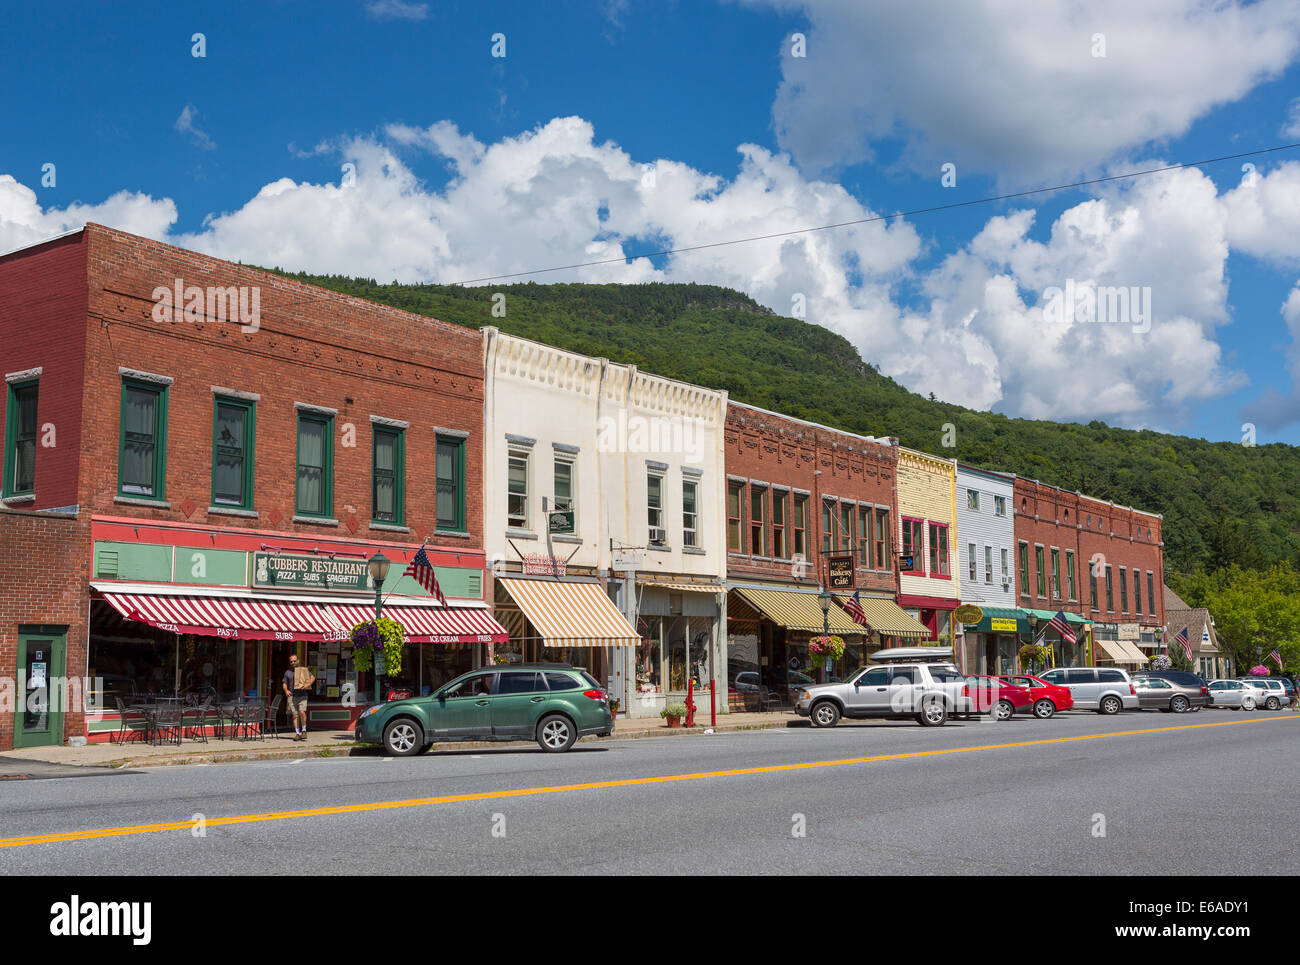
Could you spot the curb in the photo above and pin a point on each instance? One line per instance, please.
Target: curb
(349, 749)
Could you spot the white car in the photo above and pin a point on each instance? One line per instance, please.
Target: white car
(1233, 694)
(1272, 694)
(913, 682)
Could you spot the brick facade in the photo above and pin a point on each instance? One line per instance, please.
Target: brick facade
(1093, 530)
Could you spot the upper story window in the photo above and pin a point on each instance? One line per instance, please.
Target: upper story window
(519, 465)
(735, 521)
(1110, 597)
(315, 464)
(757, 520)
(999, 505)
(939, 564)
(654, 486)
(846, 528)
(1069, 573)
(142, 452)
(388, 476)
(972, 566)
(1123, 590)
(690, 512)
(799, 543)
(883, 562)
(1024, 569)
(973, 499)
(864, 536)
(988, 564)
(1039, 571)
(233, 435)
(1151, 593)
(449, 484)
(562, 483)
(1137, 592)
(20, 439)
(779, 500)
(1056, 573)
(828, 526)
(914, 543)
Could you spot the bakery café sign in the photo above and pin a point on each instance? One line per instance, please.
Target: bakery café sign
(293, 571)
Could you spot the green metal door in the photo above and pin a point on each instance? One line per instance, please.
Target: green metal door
(38, 710)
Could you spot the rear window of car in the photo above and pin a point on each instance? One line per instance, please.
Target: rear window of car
(1081, 676)
(1110, 675)
(520, 683)
(560, 681)
(904, 675)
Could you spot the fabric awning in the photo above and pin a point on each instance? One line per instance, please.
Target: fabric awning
(237, 618)
(571, 614)
(1002, 615)
(798, 611)
(426, 624)
(1135, 655)
(682, 587)
(1045, 616)
(1114, 651)
(889, 619)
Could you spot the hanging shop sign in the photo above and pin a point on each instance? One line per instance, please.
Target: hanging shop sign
(561, 523)
(540, 564)
(291, 571)
(841, 572)
(906, 564)
(968, 613)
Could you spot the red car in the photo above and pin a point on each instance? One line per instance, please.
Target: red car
(1047, 698)
(992, 694)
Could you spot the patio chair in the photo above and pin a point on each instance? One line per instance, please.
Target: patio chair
(195, 719)
(272, 718)
(167, 723)
(130, 720)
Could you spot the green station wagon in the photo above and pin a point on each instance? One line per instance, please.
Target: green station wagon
(551, 703)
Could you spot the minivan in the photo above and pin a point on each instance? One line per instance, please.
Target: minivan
(1107, 690)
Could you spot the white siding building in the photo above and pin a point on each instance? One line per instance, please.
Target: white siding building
(638, 460)
(986, 557)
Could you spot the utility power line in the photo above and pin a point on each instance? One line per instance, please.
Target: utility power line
(882, 217)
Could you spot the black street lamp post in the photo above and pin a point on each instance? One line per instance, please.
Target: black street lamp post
(824, 598)
(378, 566)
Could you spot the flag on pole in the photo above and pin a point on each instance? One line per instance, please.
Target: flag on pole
(1276, 657)
(854, 609)
(1058, 624)
(422, 570)
(1183, 639)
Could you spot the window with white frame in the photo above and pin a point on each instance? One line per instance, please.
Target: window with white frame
(988, 564)
(999, 506)
(973, 499)
(654, 484)
(564, 482)
(970, 556)
(690, 512)
(517, 489)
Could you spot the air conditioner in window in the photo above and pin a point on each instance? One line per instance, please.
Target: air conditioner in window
(658, 536)
(1006, 584)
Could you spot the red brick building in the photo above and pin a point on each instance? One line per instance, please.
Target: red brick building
(199, 459)
(1099, 561)
(798, 495)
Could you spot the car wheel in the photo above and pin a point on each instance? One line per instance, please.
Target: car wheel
(1273, 704)
(934, 713)
(556, 733)
(1179, 704)
(1043, 709)
(1247, 703)
(403, 738)
(825, 713)
(1004, 710)
(1111, 705)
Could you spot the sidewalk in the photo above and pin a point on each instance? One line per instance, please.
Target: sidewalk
(339, 743)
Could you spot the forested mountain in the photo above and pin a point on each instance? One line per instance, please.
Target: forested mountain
(1223, 503)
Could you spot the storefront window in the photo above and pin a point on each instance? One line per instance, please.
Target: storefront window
(437, 664)
(676, 646)
(649, 661)
(701, 654)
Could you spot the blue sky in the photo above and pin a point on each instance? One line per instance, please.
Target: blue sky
(608, 128)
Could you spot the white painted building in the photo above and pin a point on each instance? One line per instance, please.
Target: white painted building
(985, 547)
(638, 460)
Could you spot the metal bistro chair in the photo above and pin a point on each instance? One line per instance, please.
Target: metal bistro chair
(272, 718)
(195, 719)
(248, 716)
(167, 722)
(130, 718)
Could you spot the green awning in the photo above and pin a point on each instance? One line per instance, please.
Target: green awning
(1045, 616)
(999, 616)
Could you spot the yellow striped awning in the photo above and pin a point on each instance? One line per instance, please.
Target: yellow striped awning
(1136, 656)
(682, 587)
(888, 618)
(571, 614)
(797, 611)
(1113, 650)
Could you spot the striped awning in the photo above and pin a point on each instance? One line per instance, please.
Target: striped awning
(798, 611)
(236, 618)
(1113, 650)
(682, 587)
(1135, 656)
(426, 624)
(888, 618)
(571, 614)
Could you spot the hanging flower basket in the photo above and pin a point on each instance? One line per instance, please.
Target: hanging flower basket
(1161, 662)
(1259, 671)
(1031, 654)
(372, 636)
(823, 650)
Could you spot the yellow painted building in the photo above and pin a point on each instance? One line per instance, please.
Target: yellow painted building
(927, 531)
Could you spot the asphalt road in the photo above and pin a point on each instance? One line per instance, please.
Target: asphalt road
(970, 798)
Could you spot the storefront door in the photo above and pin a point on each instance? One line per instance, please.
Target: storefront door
(42, 693)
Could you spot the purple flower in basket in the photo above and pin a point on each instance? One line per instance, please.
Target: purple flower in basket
(1259, 671)
(367, 635)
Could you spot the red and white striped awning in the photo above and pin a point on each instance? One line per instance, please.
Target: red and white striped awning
(426, 624)
(237, 618)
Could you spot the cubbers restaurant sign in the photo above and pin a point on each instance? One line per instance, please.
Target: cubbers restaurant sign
(293, 572)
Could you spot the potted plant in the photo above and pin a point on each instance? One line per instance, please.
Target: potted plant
(824, 650)
(673, 714)
(1031, 654)
(613, 707)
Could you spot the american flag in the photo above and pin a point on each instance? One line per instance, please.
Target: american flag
(1183, 639)
(422, 570)
(1058, 624)
(1276, 657)
(854, 609)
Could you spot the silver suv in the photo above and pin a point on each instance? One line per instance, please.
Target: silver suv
(913, 684)
(1107, 690)
(1272, 694)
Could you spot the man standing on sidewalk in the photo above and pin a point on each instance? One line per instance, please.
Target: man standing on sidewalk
(297, 685)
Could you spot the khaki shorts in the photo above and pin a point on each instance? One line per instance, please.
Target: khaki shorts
(298, 706)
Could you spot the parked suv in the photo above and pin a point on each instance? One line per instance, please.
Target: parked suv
(1171, 690)
(912, 684)
(1273, 693)
(1107, 690)
(1232, 694)
(551, 703)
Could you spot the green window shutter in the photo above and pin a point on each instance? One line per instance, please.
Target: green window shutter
(142, 444)
(20, 440)
(449, 495)
(315, 478)
(388, 468)
(233, 445)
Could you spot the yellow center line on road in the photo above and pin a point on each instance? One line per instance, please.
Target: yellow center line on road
(590, 786)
